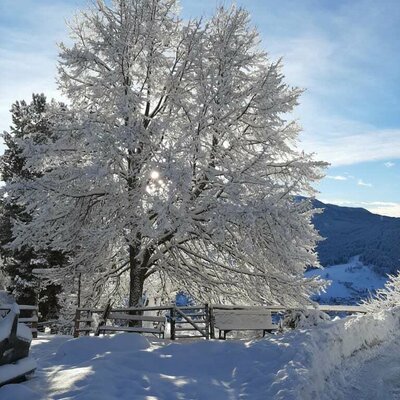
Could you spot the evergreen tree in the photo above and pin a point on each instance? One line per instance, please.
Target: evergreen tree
(29, 121)
(174, 160)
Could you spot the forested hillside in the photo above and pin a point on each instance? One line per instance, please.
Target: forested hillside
(356, 231)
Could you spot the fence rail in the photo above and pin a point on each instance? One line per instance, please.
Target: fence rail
(336, 308)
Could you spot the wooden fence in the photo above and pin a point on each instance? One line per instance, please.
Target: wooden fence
(184, 322)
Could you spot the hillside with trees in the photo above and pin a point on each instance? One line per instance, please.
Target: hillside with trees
(349, 232)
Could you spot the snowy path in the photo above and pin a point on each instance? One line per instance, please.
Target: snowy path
(128, 366)
(357, 358)
(372, 374)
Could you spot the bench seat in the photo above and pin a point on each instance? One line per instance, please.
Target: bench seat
(226, 320)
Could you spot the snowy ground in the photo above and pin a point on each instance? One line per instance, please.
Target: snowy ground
(350, 282)
(356, 358)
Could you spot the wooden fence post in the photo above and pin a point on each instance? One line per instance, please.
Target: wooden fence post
(211, 319)
(103, 319)
(172, 322)
(88, 324)
(207, 317)
(35, 318)
(76, 326)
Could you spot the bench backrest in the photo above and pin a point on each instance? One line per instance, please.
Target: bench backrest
(242, 319)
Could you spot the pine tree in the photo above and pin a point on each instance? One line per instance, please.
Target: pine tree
(29, 120)
(174, 161)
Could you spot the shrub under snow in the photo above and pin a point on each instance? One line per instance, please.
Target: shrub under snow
(304, 319)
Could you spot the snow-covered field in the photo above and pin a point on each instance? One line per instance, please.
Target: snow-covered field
(327, 362)
(350, 282)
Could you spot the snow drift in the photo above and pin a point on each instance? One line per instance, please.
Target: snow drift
(322, 352)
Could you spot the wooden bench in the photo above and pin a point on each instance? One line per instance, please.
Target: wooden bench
(226, 320)
(117, 316)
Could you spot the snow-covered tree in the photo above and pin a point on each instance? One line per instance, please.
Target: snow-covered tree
(29, 120)
(385, 298)
(174, 160)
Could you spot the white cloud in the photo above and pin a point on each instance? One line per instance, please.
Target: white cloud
(337, 177)
(360, 182)
(389, 164)
(348, 142)
(389, 209)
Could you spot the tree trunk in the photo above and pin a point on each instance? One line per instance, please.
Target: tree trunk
(137, 276)
(136, 283)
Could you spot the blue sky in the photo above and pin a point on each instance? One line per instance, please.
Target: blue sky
(345, 53)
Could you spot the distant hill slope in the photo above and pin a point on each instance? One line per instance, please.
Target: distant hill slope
(349, 283)
(356, 231)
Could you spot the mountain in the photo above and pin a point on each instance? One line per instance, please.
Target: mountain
(351, 232)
